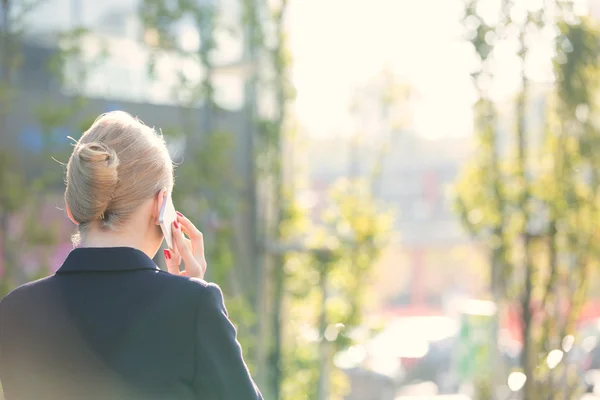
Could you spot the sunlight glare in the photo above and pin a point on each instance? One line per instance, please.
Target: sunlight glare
(518, 13)
(581, 7)
(554, 358)
(350, 358)
(535, 5)
(489, 11)
(567, 343)
(589, 343)
(516, 381)
(189, 39)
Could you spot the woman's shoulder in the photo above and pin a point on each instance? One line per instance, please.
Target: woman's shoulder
(24, 289)
(195, 292)
(199, 286)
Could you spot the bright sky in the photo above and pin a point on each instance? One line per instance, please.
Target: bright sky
(339, 44)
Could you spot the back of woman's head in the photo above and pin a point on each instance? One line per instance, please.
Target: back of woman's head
(116, 165)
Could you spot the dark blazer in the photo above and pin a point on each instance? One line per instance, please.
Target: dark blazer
(111, 325)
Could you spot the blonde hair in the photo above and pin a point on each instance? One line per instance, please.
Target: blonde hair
(116, 165)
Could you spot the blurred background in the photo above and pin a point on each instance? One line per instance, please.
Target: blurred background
(400, 198)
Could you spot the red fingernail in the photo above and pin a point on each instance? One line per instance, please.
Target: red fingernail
(176, 224)
(180, 214)
(167, 254)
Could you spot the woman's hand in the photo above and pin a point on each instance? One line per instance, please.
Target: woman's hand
(190, 250)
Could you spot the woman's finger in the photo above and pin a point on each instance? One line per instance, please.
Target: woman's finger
(196, 238)
(194, 234)
(198, 252)
(188, 227)
(175, 256)
(174, 251)
(191, 265)
(180, 243)
(172, 262)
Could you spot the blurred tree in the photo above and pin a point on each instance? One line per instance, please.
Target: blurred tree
(569, 188)
(255, 14)
(363, 229)
(274, 137)
(20, 230)
(11, 197)
(536, 214)
(326, 278)
(391, 98)
(24, 230)
(480, 189)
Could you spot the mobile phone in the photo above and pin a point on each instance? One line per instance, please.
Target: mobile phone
(167, 216)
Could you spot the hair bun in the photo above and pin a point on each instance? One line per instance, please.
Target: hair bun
(92, 171)
(96, 153)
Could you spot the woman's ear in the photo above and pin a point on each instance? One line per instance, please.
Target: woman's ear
(68, 209)
(159, 200)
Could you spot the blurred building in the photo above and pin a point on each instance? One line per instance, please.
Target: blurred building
(432, 257)
(417, 178)
(115, 55)
(111, 73)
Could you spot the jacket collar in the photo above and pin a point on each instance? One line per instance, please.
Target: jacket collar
(99, 259)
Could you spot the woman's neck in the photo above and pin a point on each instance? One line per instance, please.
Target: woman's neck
(126, 238)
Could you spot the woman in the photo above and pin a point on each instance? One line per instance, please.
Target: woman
(110, 324)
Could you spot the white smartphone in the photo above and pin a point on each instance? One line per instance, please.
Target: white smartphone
(167, 216)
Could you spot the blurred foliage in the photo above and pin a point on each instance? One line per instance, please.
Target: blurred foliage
(536, 208)
(22, 198)
(161, 20)
(362, 228)
(327, 284)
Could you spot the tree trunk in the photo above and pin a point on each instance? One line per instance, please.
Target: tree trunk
(278, 56)
(5, 263)
(257, 262)
(323, 344)
(5, 83)
(527, 359)
(278, 302)
(527, 352)
(4, 56)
